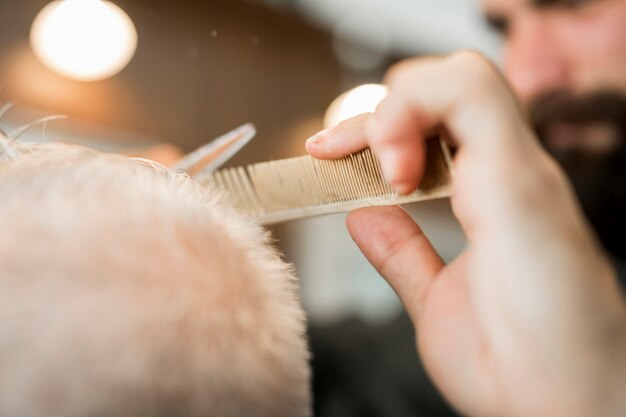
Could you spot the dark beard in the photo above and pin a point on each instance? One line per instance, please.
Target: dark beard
(598, 177)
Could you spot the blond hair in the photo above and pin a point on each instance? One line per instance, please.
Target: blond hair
(128, 290)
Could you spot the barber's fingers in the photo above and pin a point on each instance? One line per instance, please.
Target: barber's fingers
(395, 134)
(346, 138)
(399, 250)
(463, 92)
(350, 136)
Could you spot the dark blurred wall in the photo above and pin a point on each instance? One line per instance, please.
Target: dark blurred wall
(201, 68)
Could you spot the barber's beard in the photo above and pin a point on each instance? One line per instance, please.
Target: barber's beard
(587, 136)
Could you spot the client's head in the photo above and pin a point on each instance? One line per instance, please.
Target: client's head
(127, 290)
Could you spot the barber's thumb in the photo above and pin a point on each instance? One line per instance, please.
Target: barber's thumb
(399, 250)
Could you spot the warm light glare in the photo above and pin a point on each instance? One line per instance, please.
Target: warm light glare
(362, 99)
(86, 40)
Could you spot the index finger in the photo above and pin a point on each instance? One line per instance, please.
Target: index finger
(463, 93)
(406, 155)
(346, 138)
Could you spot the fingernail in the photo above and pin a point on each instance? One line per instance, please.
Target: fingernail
(319, 136)
(389, 166)
(402, 188)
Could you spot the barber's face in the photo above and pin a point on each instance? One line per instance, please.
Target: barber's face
(566, 59)
(573, 45)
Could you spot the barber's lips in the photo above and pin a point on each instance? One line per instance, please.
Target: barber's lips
(594, 138)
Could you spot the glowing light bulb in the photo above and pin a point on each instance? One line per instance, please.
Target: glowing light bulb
(359, 100)
(86, 40)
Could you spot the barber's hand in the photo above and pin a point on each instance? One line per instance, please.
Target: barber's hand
(529, 320)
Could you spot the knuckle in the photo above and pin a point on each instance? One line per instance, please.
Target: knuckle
(404, 70)
(471, 60)
(388, 260)
(477, 70)
(398, 71)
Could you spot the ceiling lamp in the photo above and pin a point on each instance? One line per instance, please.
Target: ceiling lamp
(359, 100)
(86, 40)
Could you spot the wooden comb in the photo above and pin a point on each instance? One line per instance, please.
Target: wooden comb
(289, 189)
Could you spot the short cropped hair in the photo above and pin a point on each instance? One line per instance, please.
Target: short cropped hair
(128, 290)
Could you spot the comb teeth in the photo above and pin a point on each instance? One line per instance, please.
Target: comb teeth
(277, 191)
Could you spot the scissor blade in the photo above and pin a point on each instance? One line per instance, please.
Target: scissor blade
(213, 155)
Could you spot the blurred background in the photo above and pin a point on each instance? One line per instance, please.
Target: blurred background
(143, 73)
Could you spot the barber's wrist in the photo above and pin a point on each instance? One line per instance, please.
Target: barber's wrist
(610, 397)
(595, 386)
(616, 405)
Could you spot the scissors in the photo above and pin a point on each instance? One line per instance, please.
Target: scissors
(210, 157)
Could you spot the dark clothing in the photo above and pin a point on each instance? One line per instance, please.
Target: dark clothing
(620, 266)
(361, 370)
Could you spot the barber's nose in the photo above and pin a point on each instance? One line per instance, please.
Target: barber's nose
(533, 63)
